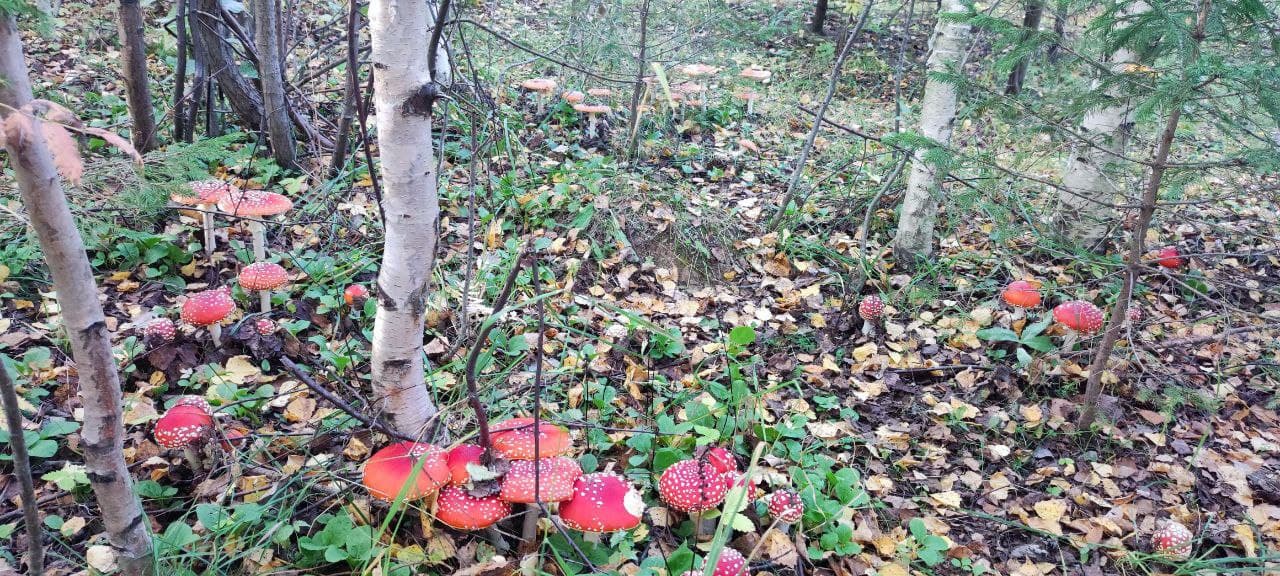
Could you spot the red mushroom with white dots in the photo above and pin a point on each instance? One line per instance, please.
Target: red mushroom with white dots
(255, 205)
(160, 330)
(871, 309)
(553, 478)
(1169, 257)
(514, 439)
(263, 277)
(692, 486)
(602, 502)
(395, 469)
(462, 511)
(183, 426)
(208, 309)
(355, 295)
(1079, 316)
(730, 563)
(205, 195)
(1173, 541)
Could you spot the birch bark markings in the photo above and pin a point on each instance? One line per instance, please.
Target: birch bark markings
(919, 213)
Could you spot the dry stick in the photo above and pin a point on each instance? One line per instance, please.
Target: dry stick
(1137, 244)
(473, 356)
(531, 519)
(433, 46)
(633, 130)
(1187, 342)
(871, 206)
(22, 469)
(340, 403)
(817, 123)
(362, 117)
(352, 87)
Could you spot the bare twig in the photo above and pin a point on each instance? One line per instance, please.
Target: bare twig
(340, 403)
(22, 469)
(473, 356)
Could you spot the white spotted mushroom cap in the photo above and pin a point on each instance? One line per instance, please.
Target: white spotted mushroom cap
(1079, 315)
(462, 511)
(193, 400)
(759, 74)
(871, 307)
(1174, 540)
(263, 276)
(254, 203)
(265, 326)
(692, 486)
(208, 307)
(573, 96)
(545, 85)
(785, 505)
(555, 479)
(602, 502)
(698, 69)
(161, 329)
(730, 563)
(203, 192)
(181, 426)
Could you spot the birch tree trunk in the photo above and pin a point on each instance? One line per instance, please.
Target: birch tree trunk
(916, 220)
(1083, 216)
(267, 40)
(410, 203)
(133, 52)
(102, 437)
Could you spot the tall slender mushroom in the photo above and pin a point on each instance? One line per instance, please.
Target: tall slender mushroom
(255, 205)
(750, 96)
(541, 87)
(592, 110)
(209, 308)
(263, 277)
(205, 195)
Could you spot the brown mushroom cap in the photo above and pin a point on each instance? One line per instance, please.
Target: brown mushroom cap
(539, 84)
(573, 96)
(463, 511)
(254, 203)
(592, 108)
(556, 476)
(391, 468)
(208, 307)
(602, 502)
(263, 276)
(747, 95)
(698, 70)
(759, 74)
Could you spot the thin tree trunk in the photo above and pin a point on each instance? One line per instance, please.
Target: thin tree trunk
(133, 51)
(1137, 244)
(349, 94)
(102, 437)
(22, 469)
(411, 208)
(1059, 30)
(819, 18)
(180, 73)
(919, 214)
(1030, 25)
(633, 129)
(267, 40)
(1082, 215)
(219, 62)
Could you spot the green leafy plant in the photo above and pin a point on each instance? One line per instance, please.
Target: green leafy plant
(1032, 337)
(923, 546)
(42, 443)
(340, 540)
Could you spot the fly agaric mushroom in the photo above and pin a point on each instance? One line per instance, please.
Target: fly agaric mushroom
(263, 277)
(1021, 294)
(255, 205)
(182, 427)
(205, 195)
(600, 92)
(695, 70)
(602, 502)
(355, 295)
(757, 74)
(554, 479)
(462, 511)
(871, 309)
(392, 468)
(692, 486)
(785, 506)
(264, 326)
(1079, 316)
(458, 458)
(573, 96)
(1135, 314)
(1173, 541)
(730, 563)
(592, 110)
(209, 308)
(196, 401)
(160, 329)
(722, 459)
(541, 87)
(1169, 257)
(514, 439)
(750, 96)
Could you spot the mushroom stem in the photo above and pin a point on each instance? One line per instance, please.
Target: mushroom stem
(750, 101)
(206, 225)
(868, 329)
(495, 538)
(215, 330)
(259, 232)
(1018, 313)
(193, 457)
(264, 299)
(1069, 342)
(591, 126)
(529, 533)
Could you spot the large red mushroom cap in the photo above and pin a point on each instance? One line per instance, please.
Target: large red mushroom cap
(556, 477)
(390, 468)
(722, 459)
(254, 203)
(730, 563)
(692, 486)
(181, 426)
(1174, 540)
(263, 276)
(602, 502)
(871, 307)
(208, 307)
(197, 401)
(355, 294)
(1169, 257)
(514, 439)
(785, 505)
(203, 192)
(1079, 315)
(458, 458)
(462, 511)
(1021, 294)
(161, 329)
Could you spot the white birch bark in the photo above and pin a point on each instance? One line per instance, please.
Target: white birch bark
(399, 29)
(102, 437)
(919, 213)
(1082, 215)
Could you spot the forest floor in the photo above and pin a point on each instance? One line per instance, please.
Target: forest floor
(940, 444)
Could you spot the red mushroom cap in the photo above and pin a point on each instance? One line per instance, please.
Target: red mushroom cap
(871, 307)
(692, 486)
(354, 293)
(263, 276)
(196, 401)
(1169, 257)
(1173, 540)
(182, 425)
(390, 468)
(458, 458)
(254, 203)
(207, 307)
(462, 511)
(265, 326)
(514, 439)
(1135, 313)
(1021, 294)
(730, 563)
(160, 329)
(1079, 315)
(556, 476)
(722, 459)
(602, 502)
(204, 192)
(786, 506)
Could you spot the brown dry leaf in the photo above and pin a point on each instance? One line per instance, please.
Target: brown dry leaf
(300, 409)
(255, 488)
(892, 570)
(1245, 538)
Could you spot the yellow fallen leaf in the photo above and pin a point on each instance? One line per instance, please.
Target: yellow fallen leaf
(864, 351)
(240, 369)
(950, 498)
(1245, 538)
(1051, 510)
